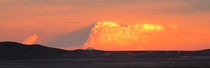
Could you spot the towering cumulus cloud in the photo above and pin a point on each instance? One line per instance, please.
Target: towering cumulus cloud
(31, 39)
(112, 36)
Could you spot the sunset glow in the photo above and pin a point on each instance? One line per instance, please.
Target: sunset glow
(31, 39)
(112, 36)
(108, 24)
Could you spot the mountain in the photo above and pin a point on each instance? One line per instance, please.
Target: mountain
(207, 50)
(14, 50)
(17, 50)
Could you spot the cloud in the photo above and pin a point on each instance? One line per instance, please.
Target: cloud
(171, 6)
(190, 6)
(75, 38)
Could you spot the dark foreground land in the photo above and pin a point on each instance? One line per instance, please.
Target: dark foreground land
(16, 55)
(104, 63)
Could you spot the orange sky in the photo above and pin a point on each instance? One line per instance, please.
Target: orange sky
(51, 18)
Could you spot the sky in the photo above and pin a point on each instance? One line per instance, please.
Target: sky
(50, 19)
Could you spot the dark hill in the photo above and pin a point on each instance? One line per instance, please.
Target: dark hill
(18, 50)
(208, 50)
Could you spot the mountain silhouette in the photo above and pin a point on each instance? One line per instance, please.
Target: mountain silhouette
(14, 50)
(18, 50)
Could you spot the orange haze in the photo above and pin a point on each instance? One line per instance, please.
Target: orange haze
(170, 24)
(31, 39)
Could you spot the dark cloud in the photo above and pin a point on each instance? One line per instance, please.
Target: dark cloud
(197, 5)
(74, 38)
(202, 5)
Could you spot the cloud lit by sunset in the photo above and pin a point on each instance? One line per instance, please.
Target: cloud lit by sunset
(31, 39)
(112, 36)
